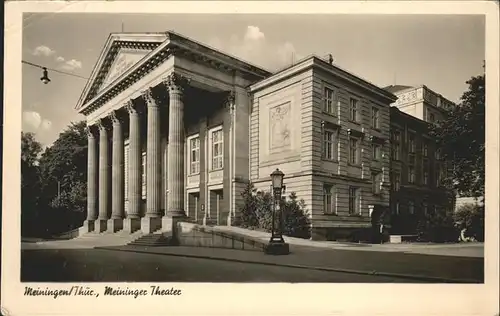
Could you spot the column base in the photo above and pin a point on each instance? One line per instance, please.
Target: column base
(277, 248)
(101, 225)
(150, 224)
(87, 227)
(175, 213)
(115, 224)
(131, 225)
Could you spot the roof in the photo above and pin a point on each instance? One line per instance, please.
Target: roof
(316, 62)
(156, 48)
(408, 117)
(397, 88)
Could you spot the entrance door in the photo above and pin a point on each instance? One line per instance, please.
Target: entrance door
(215, 210)
(194, 206)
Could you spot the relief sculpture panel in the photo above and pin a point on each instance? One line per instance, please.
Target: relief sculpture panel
(124, 60)
(280, 134)
(407, 97)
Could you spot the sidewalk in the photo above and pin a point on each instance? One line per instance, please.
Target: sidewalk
(459, 249)
(393, 264)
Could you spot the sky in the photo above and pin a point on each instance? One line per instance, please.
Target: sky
(440, 51)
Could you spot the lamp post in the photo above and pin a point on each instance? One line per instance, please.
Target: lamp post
(277, 245)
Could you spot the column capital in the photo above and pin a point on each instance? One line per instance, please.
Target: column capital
(103, 124)
(132, 108)
(229, 100)
(116, 117)
(176, 83)
(91, 131)
(149, 97)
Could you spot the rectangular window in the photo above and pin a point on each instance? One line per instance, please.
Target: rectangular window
(353, 116)
(353, 151)
(395, 209)
(411, 207)
(353, 200)
(125, 173)
(424, 208)
(425, 148)
(411, 174)
(396, 139)
(438, 154)
(217, 149)
(144, 162)
(194, 155)
(330, 144)
(396, 181)
(376, 152)
(375, 117)
(329, 199)
(426, 176)
(438, 176)
(411, 143)
(432, 118)
(329, 99)
(376, 179)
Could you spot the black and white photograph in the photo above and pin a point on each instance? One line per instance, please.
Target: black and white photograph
(166, 151)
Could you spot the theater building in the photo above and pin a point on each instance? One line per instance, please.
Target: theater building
(176, 130)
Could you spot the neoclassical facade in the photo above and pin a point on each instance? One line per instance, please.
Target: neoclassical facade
(177, 130)
(167, 125)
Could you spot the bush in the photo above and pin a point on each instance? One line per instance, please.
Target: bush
(249, 211)
(470, 219)
(296, 223)
(437, 226)
(256, 213)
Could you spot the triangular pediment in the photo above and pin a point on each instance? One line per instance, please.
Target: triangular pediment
(120, 53)
(124, 60)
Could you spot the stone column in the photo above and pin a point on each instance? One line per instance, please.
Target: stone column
(229, 159)
(104, 183)
(115, 223)
(175, 207)
(92, 184)
(132, 222)
(152, 221)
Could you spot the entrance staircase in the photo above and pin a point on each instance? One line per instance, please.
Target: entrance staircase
(154, 239)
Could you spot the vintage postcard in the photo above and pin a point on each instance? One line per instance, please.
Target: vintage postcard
(236, 158)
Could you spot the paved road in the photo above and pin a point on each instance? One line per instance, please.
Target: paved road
(97, 265)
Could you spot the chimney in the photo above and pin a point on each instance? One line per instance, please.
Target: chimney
(330, 59)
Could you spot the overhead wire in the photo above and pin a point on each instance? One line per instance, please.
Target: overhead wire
(54, 70)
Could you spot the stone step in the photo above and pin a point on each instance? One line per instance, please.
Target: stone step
(154, 239)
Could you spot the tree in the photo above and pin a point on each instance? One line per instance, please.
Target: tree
(469, 219)
(461, 137)
(30, 148)
(30, 183)
(63, 169)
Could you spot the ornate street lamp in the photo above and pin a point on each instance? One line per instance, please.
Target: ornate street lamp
(277, 245)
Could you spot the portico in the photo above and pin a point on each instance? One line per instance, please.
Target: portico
(164, 114)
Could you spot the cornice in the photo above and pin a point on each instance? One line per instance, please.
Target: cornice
(114, 41)
(314, 62)
(175, 45)
(129, 77)
(108, 62)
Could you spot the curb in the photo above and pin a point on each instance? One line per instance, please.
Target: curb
(361, 272)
